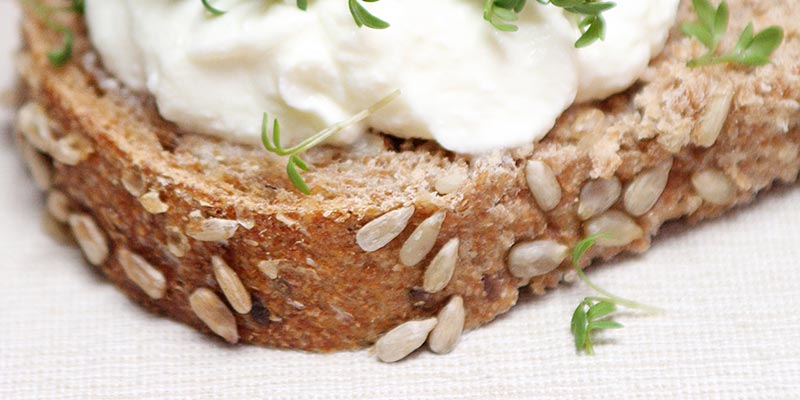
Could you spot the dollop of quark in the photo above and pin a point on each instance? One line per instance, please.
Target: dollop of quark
(464, 84)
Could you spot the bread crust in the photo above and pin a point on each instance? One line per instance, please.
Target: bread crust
(321, 291)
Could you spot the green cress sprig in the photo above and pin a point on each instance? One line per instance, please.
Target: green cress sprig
(503, 13)
(752, 49)
(593, 312)
(361, 15)
(500, 13)
(296, 163)
(62, 55)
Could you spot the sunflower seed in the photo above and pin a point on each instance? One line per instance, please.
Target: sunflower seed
(232, 287)
(645, 190)
(71, 149)
(620, 228)
(245, 217)
(529, 259)
(450, 182)
(713, 119)
(441, 268)
(90, 238)
(151, 201)
(177, 242)
(403, 340)
(133, 182)
(58, 205)
(34, 125)
(714, 187)
(445, 335)
(269, 268)
(39, 165)
(382, 230)
(422, 240)
(147, 277)
(57, 230)
(543, 185)
(571, 276)
(212, 229)
(214, 313)
(598, 196)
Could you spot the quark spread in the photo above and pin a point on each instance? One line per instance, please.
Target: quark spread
(464, 84)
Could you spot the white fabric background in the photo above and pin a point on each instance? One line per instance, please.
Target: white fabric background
(732, 329)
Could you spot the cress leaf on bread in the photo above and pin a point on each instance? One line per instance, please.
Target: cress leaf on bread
(500, 13)
(61, 55)
(752, 49)
(273, 142)
(592, 314)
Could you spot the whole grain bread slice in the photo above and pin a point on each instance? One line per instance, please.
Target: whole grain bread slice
(213, 234)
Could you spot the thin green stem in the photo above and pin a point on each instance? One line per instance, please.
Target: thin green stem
(614, 298)
(339, 126)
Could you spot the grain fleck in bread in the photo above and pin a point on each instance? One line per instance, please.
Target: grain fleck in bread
(212, 234)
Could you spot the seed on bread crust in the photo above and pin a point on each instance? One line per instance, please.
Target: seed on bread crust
(529, 259)
(714, 187)
(58, 205)
(382, 230)
(245, 217)
(35, 127)
(133, 182)
(142, 273)
(151, 201)
(598, 196)
(713, 120)
(620, 228)
(445, 335)
(177, 242)
(441, 268)
(57, 230)
(90, 238)
(450, 181)
(214, 313)
(570, 276)
(645, 190)
(39, 165)
(403, 340)
(211, 229)
(543, 184)
(422, 240)
(71, 149)
(269, 268)
(232, 287)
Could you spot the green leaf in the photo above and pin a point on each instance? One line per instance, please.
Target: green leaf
(600, 310)
(596, 31)
(362, 17)
(699, 32)
(579, 326)
(766, 41)
(295, 177)
(721, 18)
(705, 11)
(61, 56)
(754, 51)
(745, 39)
(594, 325)
(211, 9)
(584, 245)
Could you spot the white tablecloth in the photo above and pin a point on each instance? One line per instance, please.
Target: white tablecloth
(731, 331)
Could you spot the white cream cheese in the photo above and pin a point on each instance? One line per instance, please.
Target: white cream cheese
(464, 84)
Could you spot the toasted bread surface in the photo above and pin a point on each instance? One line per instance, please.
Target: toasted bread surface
(153, 206)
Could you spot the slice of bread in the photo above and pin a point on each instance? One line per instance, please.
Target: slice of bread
(213, 234)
